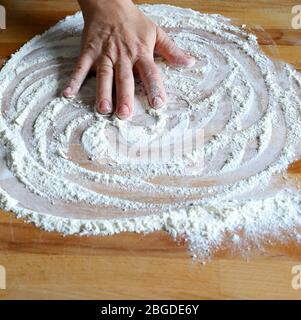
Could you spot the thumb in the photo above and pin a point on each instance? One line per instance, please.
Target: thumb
(169, 51)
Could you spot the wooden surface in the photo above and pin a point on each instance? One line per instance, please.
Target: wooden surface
(46, 265)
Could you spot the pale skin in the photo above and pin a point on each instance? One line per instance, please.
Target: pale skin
(118, 40)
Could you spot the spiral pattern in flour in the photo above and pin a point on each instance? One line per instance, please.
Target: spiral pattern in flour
(60, 155)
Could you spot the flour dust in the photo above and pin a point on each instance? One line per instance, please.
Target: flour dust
(61, 170)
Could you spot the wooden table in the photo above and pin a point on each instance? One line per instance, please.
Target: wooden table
(47, 265)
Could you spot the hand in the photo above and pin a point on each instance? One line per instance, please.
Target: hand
(116, 39)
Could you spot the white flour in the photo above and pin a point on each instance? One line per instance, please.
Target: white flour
(60, 170)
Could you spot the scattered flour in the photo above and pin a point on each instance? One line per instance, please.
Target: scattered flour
(60, 168)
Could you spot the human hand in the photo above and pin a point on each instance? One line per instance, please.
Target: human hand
(117, 39)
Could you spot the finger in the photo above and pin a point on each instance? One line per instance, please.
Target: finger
(79, 74)
(125, 88)
(150, 75)
(169, 51)
(104, 85)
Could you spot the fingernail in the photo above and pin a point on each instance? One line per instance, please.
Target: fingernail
(124, 111)
(157, 102)
(68, 92)
(191, 61)
(105, 107)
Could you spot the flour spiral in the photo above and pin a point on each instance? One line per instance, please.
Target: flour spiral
(61, 169)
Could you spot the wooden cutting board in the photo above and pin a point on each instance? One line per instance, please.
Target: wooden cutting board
(47, 265)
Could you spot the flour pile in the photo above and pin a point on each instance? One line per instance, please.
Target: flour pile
(59, 167)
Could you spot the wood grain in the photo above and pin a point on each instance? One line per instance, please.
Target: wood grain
(47, 265)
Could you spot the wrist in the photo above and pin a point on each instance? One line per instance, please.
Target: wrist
(105, 10)
(89, 3)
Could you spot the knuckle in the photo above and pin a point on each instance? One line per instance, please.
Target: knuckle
(151, 76)
(150, 70)
(89, 46)
(74, 78)
(143, 50)
(124, 98)
(110, 51)
(169, 44)
(74, 83)
(155, 90)
(164, 39)
(160, 33)
(79, 68)
(104, 71)
(123, 77)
